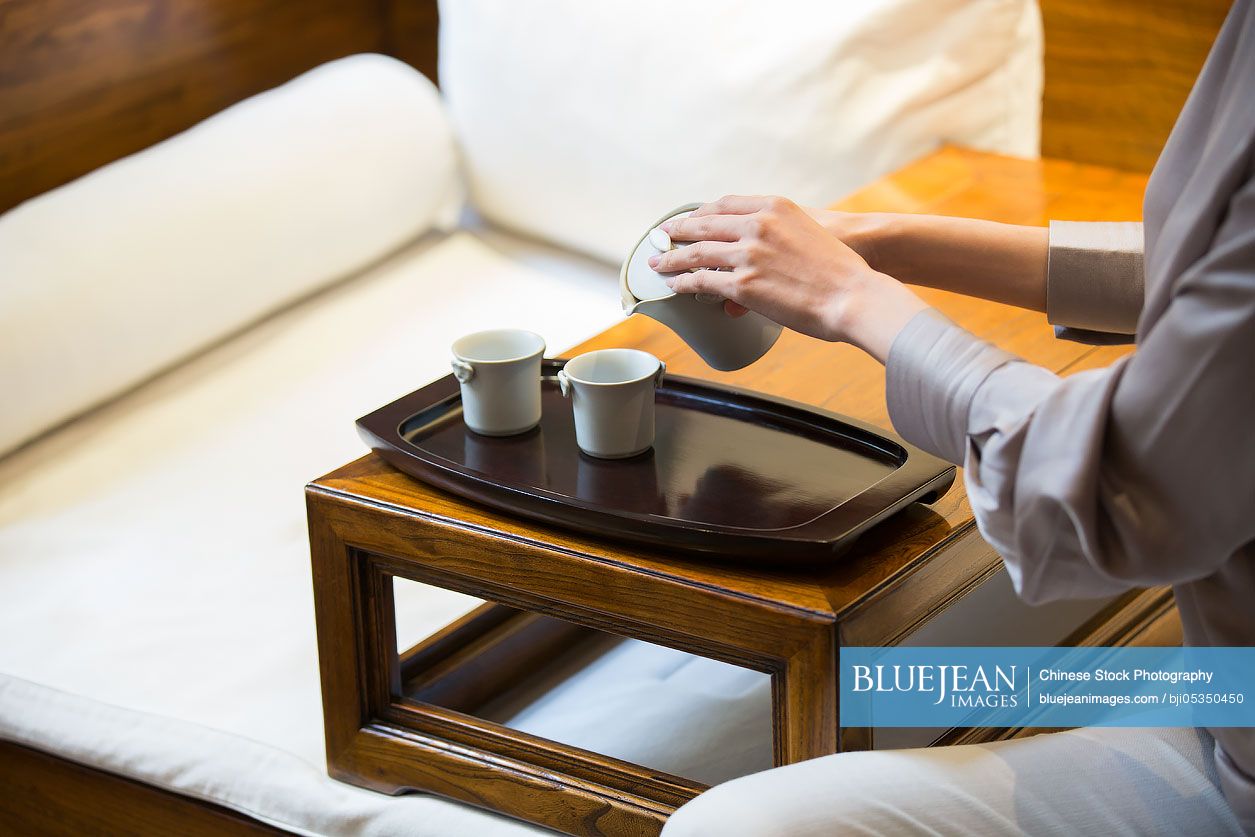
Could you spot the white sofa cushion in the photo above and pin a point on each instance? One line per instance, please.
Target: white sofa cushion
(582, 122)
(174, 520)
(113, 277)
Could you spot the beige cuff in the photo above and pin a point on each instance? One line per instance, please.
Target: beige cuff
(1094, 276)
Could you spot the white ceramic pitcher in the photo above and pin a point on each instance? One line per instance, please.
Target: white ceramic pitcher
(724, 342)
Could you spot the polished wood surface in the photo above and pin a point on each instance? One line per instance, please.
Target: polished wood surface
(410, 32)
(369, 522)
(1117, 74)
(84, 82)
(42, 795)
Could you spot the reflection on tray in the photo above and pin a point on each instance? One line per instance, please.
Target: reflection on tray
(726, 493)
(705, 468)
(615, 482)
(515, 458)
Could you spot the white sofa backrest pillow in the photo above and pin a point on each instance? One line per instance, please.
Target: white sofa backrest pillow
(113, 277)
(580, 122)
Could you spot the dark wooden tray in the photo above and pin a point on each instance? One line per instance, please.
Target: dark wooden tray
(731, 472)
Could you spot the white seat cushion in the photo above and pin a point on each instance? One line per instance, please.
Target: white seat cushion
(155, 594)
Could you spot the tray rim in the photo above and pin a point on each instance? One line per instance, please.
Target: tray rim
(919, 474)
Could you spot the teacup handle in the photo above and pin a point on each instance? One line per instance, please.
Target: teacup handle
(462, 370)
(662, 370)
(564, 383)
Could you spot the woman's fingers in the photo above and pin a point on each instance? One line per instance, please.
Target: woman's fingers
(715, 282)
(732, 205)
(698, 255)
(706, 228)
(734, 309)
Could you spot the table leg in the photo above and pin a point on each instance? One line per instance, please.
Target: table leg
(804, 698)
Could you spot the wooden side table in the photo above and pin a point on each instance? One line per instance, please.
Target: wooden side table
(400, 719)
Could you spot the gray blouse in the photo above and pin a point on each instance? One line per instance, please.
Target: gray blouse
(1142, 473)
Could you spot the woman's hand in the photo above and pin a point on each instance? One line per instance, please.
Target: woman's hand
(769, 255)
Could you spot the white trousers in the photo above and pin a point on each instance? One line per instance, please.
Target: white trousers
(1088, 781)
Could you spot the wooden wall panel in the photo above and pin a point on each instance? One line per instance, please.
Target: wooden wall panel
(83, 82)
(1117, 74)
(410, 33)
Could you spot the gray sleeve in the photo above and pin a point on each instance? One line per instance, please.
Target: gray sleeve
(1094, 279)
(1139, 474)
(932, 373)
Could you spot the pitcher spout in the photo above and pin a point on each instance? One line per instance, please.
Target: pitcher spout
(723, 342)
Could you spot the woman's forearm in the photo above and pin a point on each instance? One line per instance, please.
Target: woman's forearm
(1000, 262)
(839, 276)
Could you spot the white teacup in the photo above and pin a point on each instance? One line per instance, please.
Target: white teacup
(612, 391)
(499, 371)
